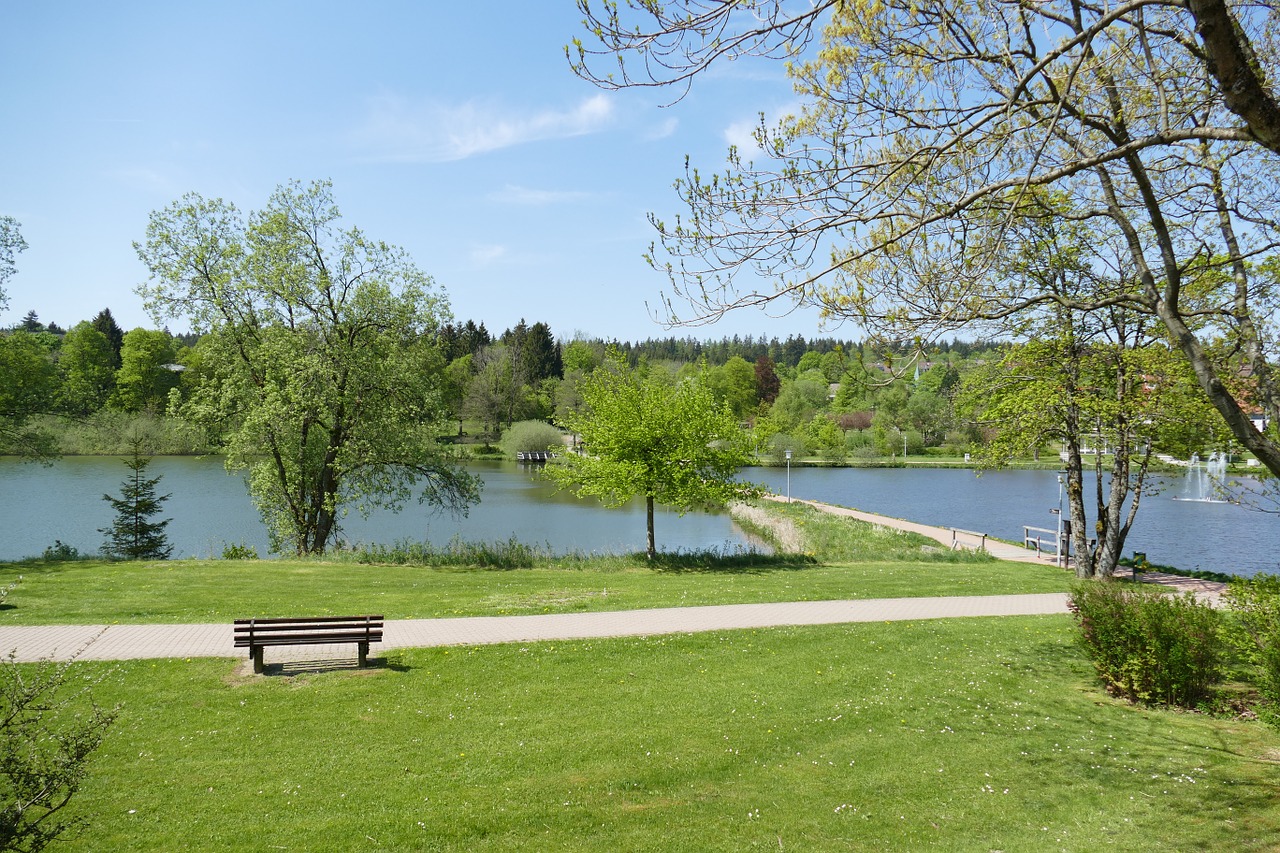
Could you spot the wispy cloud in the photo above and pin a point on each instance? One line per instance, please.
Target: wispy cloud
(487, 254)
(663, 130)
(512, 194)
(403, 130)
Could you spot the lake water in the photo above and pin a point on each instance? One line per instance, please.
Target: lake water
(211, 508)
(1220, 537)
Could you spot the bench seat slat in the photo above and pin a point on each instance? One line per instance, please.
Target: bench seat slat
(309, 639)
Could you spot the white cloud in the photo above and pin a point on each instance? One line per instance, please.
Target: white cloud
(399, 129)
(662, 131)
(485, 255)
(512, 194)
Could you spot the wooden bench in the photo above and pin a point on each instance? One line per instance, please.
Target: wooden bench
(257, 634)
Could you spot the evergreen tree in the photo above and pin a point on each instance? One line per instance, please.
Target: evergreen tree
(134, 536)
(106, 324)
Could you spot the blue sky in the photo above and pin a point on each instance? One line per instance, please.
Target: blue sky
(454, 130)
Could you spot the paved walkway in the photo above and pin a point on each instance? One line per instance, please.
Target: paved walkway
(128, 642)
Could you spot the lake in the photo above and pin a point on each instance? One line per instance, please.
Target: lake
(211, 508)
(1220, 537)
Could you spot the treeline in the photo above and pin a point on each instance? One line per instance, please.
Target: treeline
(820, 396)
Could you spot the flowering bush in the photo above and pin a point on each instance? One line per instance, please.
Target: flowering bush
(1149, 646)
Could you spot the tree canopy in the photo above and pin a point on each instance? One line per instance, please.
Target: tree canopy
(643, 437)
(321, 355)
(929, 129)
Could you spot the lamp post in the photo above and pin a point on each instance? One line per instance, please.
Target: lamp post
(788, 452)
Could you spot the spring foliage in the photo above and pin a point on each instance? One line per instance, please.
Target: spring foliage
(642, 437)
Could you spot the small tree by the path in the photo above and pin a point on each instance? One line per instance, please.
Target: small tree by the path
(672, 445)
(134, 535)
(49, 728)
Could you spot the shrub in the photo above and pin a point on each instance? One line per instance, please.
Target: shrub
(1148, 646)
(529, 437)
(61, 552)
(1256, 603)
(239, 551)
(48, 731)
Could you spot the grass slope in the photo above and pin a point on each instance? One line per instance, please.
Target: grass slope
(944, 735)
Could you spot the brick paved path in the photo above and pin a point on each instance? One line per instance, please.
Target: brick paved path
(125, 642)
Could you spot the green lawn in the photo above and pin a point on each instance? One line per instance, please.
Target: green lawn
(974, 734)
(958, 735)
(218, 591)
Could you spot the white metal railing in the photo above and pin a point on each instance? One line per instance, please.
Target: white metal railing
(1048, 543)
(968, 539)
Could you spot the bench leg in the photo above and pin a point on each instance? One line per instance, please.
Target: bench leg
(364, 654)
(256, 651)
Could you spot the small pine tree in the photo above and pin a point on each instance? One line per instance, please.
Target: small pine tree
(134, 536)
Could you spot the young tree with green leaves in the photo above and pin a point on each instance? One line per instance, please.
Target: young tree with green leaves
(49, 730)
(135, 535)
(321, 358)
(643, 437)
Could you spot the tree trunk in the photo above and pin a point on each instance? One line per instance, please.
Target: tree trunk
(648, 507)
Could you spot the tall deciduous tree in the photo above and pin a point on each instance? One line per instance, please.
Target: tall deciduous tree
(28, 388)
(645, 438)
(321, 353)
(146, 371)
(87, 366)
(136, 534)
(927, 126)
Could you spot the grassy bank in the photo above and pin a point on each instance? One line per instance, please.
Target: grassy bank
(955, 735)
(960, 734)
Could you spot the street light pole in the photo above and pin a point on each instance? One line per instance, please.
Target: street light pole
(788, 476)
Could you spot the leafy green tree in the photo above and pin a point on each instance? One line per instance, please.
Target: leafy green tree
(453, 387)
(29, 388)
(145, 375)
(670, 445)
(88, 374)
(531, 437)
(11, 243)
(322, 357)
(734, 382)
(135, 535)
(798, 403)
(581, 356)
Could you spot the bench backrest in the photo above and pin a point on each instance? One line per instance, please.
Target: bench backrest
(302, 629)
